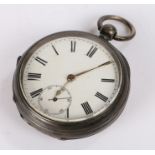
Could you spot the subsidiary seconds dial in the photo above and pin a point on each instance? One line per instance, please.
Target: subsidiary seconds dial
(70, 79)
(52, 104)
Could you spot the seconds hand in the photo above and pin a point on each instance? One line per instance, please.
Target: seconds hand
(61, 98)
(72, 77)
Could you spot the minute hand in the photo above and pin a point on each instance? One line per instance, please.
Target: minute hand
(86, 71)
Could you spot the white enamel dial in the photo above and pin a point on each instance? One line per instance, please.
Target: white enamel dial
(70, 79)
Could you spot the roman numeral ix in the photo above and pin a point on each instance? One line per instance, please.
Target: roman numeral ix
(86, 107)
(34, 76)
(36, 92)
(43, 62)
(101, 96)
(92, 51)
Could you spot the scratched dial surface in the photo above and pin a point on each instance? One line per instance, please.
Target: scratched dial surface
(47, 91)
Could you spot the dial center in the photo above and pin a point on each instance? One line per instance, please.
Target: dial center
(70, 77)
(55, 99)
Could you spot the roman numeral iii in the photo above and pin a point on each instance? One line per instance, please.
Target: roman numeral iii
(101, 96)
(36, 92)
(73, 46)
(92, 51)
(43, 62)
(87, 108)
(34, 76)
(107, 80)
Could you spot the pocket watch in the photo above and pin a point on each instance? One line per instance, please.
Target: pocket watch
(73, 84)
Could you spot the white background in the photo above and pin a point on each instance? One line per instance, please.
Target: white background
(22, 25)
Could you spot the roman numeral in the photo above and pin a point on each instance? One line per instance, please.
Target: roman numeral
(86, 107)
(34, 76)
(36, 92)
(92, 51)
(43, 62)
(55, 50)
(101, 96)
(107, 80)
(68, 113)
(73, 46)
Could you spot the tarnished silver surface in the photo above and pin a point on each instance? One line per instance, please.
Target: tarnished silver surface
(109, 32)
(72, 130)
